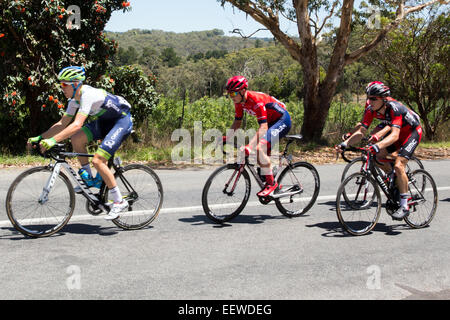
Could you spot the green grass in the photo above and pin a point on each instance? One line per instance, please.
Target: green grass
(24, 160)
(430, 144)
(162, 155)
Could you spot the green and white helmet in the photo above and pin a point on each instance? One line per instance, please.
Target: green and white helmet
(71, 74)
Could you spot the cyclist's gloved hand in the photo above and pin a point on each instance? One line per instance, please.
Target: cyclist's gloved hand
(373, 148)
(346, 136)
(34, 139)
(340, 147)
(247, 149)
(47, 144)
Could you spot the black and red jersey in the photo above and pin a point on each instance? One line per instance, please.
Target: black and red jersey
(396, 115)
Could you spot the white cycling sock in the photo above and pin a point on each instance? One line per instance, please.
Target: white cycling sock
(115, 193)
(404, 200)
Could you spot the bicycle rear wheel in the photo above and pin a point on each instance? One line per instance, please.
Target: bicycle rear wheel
(302, 179)
(423, 199)
(359, 210)
(30, 212)
(226, 193)
(143, 190)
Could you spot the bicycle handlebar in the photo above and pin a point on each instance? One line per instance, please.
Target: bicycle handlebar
(53, 153)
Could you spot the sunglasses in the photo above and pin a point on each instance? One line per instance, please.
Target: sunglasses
(66, 84)
(373, 98)
(232, 94)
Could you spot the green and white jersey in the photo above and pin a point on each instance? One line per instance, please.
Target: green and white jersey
(96, 103)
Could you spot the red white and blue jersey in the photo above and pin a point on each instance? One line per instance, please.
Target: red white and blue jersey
(264, 107)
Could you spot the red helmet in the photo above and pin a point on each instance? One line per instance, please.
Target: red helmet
(236, 83)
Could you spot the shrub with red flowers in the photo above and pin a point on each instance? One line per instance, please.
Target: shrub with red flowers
(37, 39)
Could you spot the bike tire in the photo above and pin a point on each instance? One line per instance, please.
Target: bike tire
(358, 207)
(423, 191)
(35, 219)
(213, 194)
(145, 202)
(306, 199)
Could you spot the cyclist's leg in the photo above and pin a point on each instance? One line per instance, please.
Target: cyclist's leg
(409, 143)
(276, 131)
(111, 142)
(382, 158)
(80, 140)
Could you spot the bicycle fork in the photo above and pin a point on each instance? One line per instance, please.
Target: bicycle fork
(238, 172)
(50, 184)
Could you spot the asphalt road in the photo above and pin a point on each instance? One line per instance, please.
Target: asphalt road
(259, 255)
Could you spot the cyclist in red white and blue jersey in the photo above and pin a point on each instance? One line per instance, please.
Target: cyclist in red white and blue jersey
(273, 119)
(405, 136)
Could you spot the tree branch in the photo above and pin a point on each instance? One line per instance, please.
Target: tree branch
(270, 20)
(400, 16)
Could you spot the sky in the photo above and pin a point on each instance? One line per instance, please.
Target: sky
(185, 16)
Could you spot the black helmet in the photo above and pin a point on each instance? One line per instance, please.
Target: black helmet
(378, 90)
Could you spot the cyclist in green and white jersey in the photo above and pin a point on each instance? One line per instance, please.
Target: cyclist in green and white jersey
(111, 122)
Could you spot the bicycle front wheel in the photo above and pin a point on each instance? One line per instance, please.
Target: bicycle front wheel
(35, 212)
(358, 204)
(423, 199)
(226, 193)
(301, 182)
(143, 190)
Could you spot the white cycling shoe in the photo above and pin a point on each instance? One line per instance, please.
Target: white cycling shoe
(116, 209)
(400, 213)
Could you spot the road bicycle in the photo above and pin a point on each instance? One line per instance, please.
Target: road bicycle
(359, 201)
(354, 164)
(227, 190)
(41, 200)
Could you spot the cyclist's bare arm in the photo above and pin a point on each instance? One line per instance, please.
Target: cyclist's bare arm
(236, 125)
(378, 133)
(73, 128)
(390, 139)
(54, 129)
(57, 127)
(263, 127)
(356, 136)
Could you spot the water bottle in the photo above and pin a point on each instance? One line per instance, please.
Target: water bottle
(84, 175)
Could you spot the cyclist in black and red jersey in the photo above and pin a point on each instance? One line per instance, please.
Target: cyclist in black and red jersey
(274, 123)
(402, 141)
(378, 132)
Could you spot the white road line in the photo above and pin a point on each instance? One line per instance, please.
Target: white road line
(5, 223)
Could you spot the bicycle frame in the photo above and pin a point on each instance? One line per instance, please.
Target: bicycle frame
(94, 200)
(251, 168)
